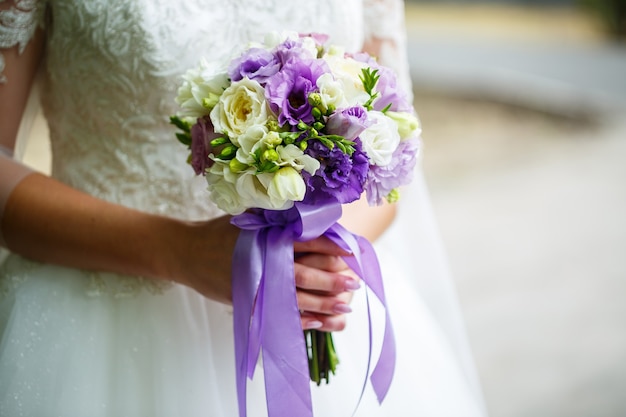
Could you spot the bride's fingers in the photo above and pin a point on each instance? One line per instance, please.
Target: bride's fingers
(330, 263)
(311, 303)
(321, 245)
(315, 279)
(334, 323)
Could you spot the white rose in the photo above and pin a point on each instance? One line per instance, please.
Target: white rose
(381, 139)
(241, 106)
(408, 125)
(331, 92)
(201, 89)
(293, 156)
(347, 71)
(286, 186)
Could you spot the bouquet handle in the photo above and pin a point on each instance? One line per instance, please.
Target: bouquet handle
(264, 294)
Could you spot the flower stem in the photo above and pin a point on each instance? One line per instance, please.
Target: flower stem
(322, 356)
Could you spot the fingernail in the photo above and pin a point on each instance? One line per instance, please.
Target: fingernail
(313, 324)
(342, 308)
(351, 285)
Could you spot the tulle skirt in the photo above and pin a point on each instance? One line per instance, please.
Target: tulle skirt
(65, 351)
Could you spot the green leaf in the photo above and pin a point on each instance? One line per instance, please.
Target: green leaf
(184, 138)
(183, 125)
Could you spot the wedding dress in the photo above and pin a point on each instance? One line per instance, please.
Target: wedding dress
(83, 343)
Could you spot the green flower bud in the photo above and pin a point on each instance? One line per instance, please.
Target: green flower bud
(303, 145)
(228, 152)
(272, 139)
(315, 99)
(393, 196)
(302, 126)
(270, 155)
(219, 141)
(407, 123)
(331, 109)
(288, 139)
(236, 166)
(317, 113)
(272, 125)
(210, 101)
(318, 126)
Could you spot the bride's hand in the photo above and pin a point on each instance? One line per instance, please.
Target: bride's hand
(202, 260)
(324, 284)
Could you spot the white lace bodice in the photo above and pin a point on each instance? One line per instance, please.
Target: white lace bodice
(112, 69)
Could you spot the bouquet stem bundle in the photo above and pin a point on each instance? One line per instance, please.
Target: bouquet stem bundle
(323, 359)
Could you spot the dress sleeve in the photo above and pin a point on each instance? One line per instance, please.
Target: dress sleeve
(18, 21)
(385, 37)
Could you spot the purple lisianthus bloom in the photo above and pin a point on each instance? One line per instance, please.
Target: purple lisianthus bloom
(389, 92)
(348, 123)
(202, 133)
(256, 63)
(387, 86)
(292, 50)
(288, 90)
(382, 179)
(341, 177)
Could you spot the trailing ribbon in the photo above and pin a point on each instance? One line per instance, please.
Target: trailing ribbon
(265, 306)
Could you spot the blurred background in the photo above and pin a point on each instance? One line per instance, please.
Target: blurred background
(523, 105)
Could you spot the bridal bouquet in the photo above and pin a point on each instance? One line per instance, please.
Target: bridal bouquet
(285, 133)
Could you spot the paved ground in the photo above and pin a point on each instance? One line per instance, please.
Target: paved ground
(525, 153)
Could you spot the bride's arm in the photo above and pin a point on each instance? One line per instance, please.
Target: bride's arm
(48, 221)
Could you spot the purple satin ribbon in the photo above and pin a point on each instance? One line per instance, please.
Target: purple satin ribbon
(265, 307)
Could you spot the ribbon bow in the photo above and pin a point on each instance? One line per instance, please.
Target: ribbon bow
(265, 307)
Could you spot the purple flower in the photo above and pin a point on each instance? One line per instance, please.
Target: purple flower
(382, 179)
(288, 90)
(348, 123)
(202, 133)
(256, 64)
(341, 177)
(390, 92)
(387, 86)
(292, 50)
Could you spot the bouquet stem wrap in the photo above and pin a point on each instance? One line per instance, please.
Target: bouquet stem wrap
(266, 315)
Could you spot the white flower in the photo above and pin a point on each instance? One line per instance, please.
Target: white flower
(408, 125)
(331, 92)
(291, 155)
(250, 141)
(286, 186)
(310, 45)
(241, 106)
(381, 139)
(201, 89)
(347, 71)
(224, 194)
(274, 38)
(254, 187)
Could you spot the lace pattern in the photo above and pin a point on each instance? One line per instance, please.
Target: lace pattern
(17, 26)
(385, 36)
